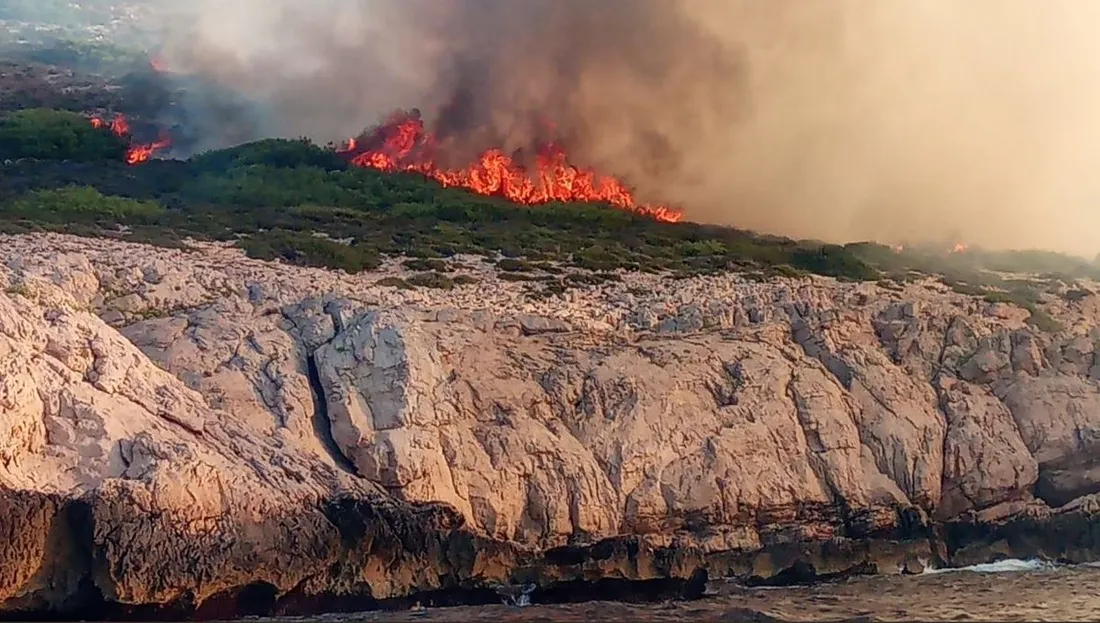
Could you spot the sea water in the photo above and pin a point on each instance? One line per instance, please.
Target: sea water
(1009, 590)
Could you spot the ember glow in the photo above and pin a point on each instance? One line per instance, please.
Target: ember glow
(138, 152)
(403, 144)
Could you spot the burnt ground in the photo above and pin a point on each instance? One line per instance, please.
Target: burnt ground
(142, 95)
(30, 85)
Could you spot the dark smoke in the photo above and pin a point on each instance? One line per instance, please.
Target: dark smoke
(198, 115)
(841, 120)
(597, 76)
(486, 73)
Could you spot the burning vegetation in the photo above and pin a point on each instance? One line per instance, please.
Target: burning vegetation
(137, 152)
(404, 144)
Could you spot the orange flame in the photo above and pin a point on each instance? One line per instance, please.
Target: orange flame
(120, 126)
(403, 144)
(142, 152)
(960, 247)
(138, 152)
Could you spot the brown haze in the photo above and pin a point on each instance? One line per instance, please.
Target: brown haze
(974, 120)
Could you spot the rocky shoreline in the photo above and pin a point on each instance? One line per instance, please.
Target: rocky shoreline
(193, 434)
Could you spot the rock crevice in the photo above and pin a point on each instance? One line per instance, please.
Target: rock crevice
(322, 425)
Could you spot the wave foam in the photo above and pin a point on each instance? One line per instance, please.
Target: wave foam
(1011, 565)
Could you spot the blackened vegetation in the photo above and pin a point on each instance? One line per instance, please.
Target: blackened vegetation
(29, 85)
(125, 84)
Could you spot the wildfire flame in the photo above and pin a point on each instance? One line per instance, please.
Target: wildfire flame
(118, 125)
(960, 247)
(352, 145)
(403, 144)
(142, 152)
(138, 152)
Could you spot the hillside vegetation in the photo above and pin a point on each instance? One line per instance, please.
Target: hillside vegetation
(300, 202)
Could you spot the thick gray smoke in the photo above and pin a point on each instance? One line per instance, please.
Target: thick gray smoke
(970, 121)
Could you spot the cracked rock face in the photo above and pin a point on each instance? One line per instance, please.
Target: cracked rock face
(182, 426)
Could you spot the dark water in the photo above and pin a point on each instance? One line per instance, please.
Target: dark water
(1007, 591)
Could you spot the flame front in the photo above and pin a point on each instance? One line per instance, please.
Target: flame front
(137, 152)
(403, 144)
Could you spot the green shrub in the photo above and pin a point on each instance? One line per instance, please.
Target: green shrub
(517, 277)
(54, 135)
(701, 248)
(86, 205)
(590, 279)
(1043, 321)
(1077, 295)
(393, 282)
(787, 271)
(512, 265)
(834, 261)
(599, 257)
(1028, 299)
(548, 267)
(158, 237)
(309, 250)
(426, 264)
(431, 280)
(276, 153)
(552, 289)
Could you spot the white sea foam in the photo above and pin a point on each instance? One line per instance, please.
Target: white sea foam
(1011, 565)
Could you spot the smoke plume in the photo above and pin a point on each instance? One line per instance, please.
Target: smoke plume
(844, 120)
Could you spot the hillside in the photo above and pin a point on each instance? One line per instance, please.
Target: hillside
(302, 203)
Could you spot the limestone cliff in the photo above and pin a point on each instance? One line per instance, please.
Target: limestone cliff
(190, 429)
